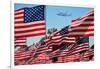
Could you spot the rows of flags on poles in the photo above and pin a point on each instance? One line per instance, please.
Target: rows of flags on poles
(70, 44)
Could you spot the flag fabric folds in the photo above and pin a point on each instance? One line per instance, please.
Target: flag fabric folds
(30, 21)
(83, 26)
(22, 55)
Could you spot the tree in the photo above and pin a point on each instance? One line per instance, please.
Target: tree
(33, 43)
(50, 31)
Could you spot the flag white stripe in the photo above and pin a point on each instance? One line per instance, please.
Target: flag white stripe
(80, 50)
(19, 11)
(28, 33)
(19, 15)
(70, 38)
(76, 23)
(80, 33)
(56, 37)
(68, 41)
(20, 41)
(21, 19)
(61, 40)
(81, 28)
(83, 44)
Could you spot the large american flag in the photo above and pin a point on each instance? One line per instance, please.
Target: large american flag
(30, 21)
(83, 26)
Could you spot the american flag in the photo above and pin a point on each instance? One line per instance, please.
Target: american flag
(83, 26)
(88, 53)
(79, 48)
(64, 30)
(58, 40)
(72, 58)
(69, 40)
(66, 50)
(43, 49)
(74, 48)
(30, 21)
(20, 42)
(82, 40)
(60, 37)
(22, 55)
(55, 53)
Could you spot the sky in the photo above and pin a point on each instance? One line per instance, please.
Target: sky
(55, 21)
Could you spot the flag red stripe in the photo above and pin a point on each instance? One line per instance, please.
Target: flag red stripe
(19, 22)
(19, 42)
(89, 19)
(19, 17)
(84, 25)
(33, 30)
(78, 50)
(18, 13)
(79, 35)
(59, 41)
(82, 30)
(21, 39)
